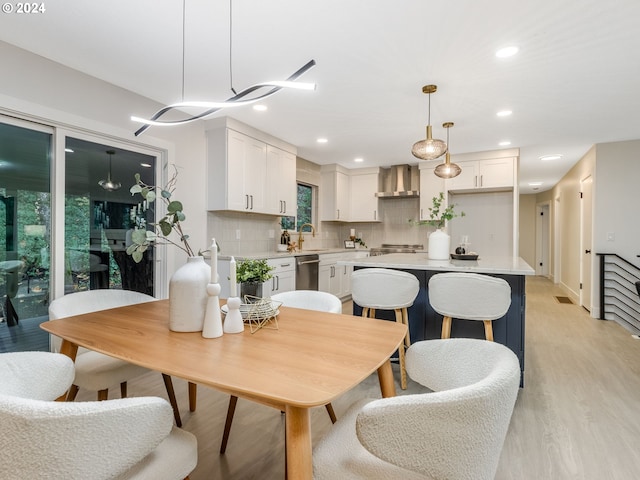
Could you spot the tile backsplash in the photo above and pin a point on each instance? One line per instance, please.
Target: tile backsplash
(240, 233)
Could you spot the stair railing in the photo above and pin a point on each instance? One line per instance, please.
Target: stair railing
(619, 291)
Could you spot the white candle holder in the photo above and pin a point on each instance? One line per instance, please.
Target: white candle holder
(233, 322)
(212, 318)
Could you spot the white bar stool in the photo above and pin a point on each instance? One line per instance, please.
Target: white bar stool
(384, 289)
(469, 296)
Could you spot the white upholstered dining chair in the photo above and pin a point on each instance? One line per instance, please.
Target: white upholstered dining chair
(96, 371)
(455, 432)
(305, 299)
(132, 438)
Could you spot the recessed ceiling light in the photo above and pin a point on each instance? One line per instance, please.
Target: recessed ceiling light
(555, 156)
(504, 143)
(260, 108)
(358, 159)
(322, 140)
(145, 165)
(504, 113)
(505, 52)
(68, 150)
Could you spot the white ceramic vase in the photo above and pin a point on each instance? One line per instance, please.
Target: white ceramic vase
(439, 244)
(188, 295)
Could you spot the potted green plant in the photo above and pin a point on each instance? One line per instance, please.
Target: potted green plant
(439, 240)
(251, 274)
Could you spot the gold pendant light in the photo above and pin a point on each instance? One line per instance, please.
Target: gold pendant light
(447, 169)
(430, 148)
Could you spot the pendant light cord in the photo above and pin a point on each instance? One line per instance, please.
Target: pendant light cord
(183, 42)
(231, 46)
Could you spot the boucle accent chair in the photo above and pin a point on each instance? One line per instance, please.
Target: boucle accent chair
(384, 289)
(96, 371)
(305, 299)
(454, 433)
(469, 296)
(132, 438)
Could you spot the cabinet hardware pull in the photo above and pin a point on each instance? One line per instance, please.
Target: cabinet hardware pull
(375, 214)
(285, 265)
(251, 201)
(285, 206)
(338, 214)
(587, 251)
(481, 182)
(247, 202)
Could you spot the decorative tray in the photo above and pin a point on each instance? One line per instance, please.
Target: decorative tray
(464, 256)
(263, 310)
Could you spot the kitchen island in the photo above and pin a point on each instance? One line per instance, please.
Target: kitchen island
(425, 323)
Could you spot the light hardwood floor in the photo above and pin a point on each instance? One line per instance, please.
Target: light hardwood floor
(578, 416)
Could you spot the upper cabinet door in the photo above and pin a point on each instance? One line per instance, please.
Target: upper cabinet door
(364, 202)
(498, 173)
(281, 182)
(335, 195)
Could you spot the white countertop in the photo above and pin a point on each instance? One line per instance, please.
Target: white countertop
(420, 261)
(268, 255)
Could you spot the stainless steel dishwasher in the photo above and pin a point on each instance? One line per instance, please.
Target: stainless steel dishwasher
(307, 272)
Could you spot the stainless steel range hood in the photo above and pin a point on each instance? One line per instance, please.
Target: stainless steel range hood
(399, 181)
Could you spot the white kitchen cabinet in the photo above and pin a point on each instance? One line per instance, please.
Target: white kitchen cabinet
(498, 173)
(430, 186)
(334, 278)
(284, 276)
(364, 201)
(238, 166)
(282, 198)
(248, 170)
(335, 195)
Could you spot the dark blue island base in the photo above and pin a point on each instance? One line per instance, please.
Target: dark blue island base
(425, 323)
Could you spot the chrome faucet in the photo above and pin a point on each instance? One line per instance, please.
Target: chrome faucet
(300, 237)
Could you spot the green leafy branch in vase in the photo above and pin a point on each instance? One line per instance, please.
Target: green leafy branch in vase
(143, 239)
(439, 218)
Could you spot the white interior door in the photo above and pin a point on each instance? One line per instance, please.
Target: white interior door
(586, 242)
(542, 240)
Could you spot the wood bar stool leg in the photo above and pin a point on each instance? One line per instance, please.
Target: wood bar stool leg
(405, 320)
(446, 327)
(488, 330)
(403, 370)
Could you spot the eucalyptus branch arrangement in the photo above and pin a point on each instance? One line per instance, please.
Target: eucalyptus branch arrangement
(142, 239)
(437, 218)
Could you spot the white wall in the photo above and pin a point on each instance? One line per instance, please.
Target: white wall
(37, 89)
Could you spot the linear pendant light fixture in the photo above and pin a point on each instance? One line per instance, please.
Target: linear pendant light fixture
(447, 169)
(430, 148)
(245, 97)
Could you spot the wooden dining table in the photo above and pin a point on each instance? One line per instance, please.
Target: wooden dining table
(308, 361)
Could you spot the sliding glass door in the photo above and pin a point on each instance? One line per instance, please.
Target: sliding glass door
(100, 214)
(25, 233)
(92, 180)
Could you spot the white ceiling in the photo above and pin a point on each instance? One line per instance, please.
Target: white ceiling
(572, 84)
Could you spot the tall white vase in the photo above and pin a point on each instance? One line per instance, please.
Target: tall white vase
(439, 244)
(188, 295)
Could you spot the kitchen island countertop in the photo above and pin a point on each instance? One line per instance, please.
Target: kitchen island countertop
(504, 265)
